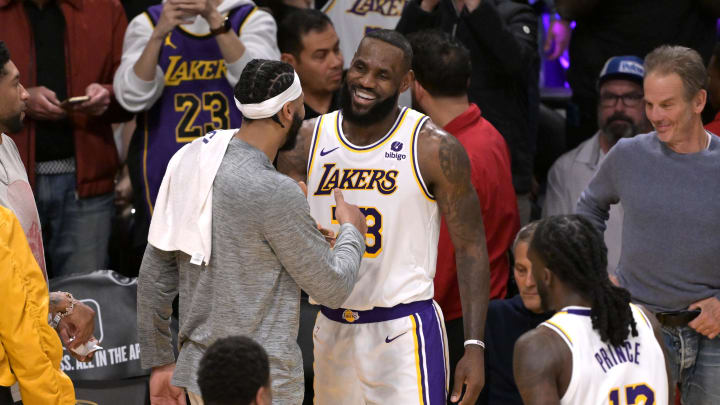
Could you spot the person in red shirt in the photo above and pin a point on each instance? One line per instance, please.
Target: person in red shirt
(442, 73)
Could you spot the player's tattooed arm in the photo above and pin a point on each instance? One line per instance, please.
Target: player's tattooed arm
(446, 169)
(294, 162)
(542, 366)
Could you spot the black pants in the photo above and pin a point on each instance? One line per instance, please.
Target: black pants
(5, 396)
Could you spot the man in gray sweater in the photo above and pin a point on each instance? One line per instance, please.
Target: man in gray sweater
(668, 182)
(265, 247)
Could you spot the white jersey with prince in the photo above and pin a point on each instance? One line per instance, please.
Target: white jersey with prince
(384, 180)
(632, 373)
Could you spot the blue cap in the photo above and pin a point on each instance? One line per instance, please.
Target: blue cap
(623, 67)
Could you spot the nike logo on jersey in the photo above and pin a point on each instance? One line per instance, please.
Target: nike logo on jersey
(385, 181)
(388, 340)
(323, 153)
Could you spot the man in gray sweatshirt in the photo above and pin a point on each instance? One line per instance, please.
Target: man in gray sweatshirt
(265, 247)
(668, 182)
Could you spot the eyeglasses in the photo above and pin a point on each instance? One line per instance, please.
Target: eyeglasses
(629, 99)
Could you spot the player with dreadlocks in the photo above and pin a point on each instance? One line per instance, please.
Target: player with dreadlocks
(598, 348)
(236, 240)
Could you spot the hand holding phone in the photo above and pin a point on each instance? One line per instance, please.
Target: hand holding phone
(74, 101)
(95, 101)
(44, 105)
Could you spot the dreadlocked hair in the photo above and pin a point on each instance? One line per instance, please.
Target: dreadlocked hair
(575, 252)
(262, 80)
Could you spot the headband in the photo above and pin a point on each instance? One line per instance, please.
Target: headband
(271, 106)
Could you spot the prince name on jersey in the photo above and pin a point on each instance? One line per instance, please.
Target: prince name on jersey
(609, 357)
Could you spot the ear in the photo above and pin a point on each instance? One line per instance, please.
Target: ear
(263, 396)
(289, 58)
(699, 101)
(419, 91)
(547, 277)
(286, 112)
(407, 80)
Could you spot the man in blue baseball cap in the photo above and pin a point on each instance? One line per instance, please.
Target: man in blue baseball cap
(620, 114)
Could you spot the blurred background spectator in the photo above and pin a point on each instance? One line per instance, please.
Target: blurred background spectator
(355, 18)
(307, 40)
(502, 38)
(617, 27)
(179, 65)
(620, 114)
(66, 49)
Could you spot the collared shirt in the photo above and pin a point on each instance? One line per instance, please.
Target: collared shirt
(568, 178)
(54, 138)
(492, 180)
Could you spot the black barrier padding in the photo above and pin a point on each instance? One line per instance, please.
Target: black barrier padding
(113, 297)
(133, 391)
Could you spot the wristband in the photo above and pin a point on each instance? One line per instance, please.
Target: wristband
(62, 314)
(474, 342)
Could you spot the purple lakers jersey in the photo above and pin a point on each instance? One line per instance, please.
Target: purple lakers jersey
(197, 98)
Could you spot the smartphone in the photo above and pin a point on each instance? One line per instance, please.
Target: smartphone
(75, 100)
(688, 314)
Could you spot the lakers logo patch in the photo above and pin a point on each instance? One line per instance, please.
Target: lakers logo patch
(350, 316)
(384, 181)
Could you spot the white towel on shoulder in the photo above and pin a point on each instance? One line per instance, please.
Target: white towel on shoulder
(182, 218)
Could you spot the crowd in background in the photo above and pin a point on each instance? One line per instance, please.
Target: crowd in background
(115, 89)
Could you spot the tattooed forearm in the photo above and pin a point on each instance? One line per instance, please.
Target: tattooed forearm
(458, 201)
(453, 160)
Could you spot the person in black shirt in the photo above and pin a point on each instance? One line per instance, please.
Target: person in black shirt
(506, 321)
(307, 40)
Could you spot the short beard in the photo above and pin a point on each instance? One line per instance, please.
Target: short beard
(13, 124)
(377, 113)
(614, 130)
(292, 133)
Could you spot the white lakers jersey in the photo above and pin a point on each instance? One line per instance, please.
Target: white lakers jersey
(355, 18)
(384, 180)
(632, 373)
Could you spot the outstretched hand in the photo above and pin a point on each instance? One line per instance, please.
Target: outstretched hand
(470, 372)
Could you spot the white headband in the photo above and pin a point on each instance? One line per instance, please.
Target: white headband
(271, 106)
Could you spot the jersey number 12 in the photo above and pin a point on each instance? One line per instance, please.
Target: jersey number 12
(637, 394)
